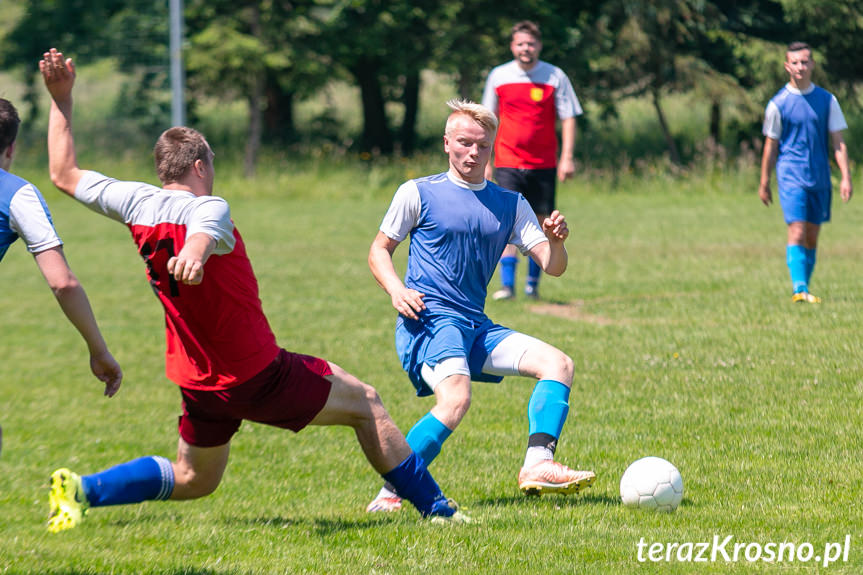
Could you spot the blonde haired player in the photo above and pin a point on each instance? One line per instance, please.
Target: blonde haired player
(459, 224)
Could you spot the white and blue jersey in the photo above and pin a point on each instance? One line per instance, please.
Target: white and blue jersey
(802, 122)
(23, 213)
(458, 232)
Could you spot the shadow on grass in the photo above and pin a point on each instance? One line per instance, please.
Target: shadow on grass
(561, 501)
(549, 501)
(320, 526)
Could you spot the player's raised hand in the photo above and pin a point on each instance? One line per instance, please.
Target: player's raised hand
(555, 227)
(58, 74)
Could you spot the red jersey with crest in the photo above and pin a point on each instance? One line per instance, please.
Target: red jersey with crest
(216, 333)
(528, 105)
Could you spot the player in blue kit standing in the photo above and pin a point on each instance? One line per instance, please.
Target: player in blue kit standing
(459, 224)
(24, 214)
(801, 121)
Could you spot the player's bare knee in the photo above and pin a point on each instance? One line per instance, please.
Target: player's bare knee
(456, 402)
(366, 405)
(558, 366)
(567, 368)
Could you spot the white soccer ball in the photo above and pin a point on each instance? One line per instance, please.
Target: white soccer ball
(651, 483)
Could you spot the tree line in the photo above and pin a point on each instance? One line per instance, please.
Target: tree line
(273, 54)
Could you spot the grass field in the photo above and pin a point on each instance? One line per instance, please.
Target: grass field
(675, 309)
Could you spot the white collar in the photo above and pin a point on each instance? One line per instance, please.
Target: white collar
(798, 91)
(463, 184)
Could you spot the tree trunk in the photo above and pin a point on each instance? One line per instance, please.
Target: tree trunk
(376, 132)
(465, 82)
(669, 140)
(279, 113)
(411, 100)
(253, 140)
(716, 120)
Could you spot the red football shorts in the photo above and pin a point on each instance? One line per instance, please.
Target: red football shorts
(288, 393)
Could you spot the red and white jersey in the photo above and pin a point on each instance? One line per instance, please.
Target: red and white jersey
(216, 332)
(528, 105)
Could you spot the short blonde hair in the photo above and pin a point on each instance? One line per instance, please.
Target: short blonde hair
(476, 112)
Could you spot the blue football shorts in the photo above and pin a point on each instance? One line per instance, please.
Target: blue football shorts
(800, 205)
(435, 337)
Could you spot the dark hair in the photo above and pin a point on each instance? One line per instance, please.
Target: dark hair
(177, 150)
(527, 27)
(797, 46)
(9, 122)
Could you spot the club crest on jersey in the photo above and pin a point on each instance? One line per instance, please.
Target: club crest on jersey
(536, 94)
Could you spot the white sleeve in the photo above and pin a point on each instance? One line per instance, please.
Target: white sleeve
(837, 121)
(566, 102)
(212, 216)
(489, 93)
(526, 233)
(772, 122)
(30, 219)
(404, 212)
(109, 197)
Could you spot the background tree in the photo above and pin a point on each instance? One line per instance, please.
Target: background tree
(256, 51)
(833, 29)
(101, 34)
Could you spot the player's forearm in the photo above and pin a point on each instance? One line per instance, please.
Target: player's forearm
(567, 138)
(74, 303)
(383, 270)
(768, 160)
(558, 260)
(62, 162)
(841, 155)
(198, 247)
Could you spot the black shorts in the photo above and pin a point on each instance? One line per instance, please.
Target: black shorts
(537, 186)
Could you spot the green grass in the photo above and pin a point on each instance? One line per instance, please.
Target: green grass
(675, 309)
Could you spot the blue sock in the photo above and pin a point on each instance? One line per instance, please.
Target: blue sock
(533, 273)
(427, 436)
(507, 271)
(142, 479)
(548, 407)
(810, 263)
(795, 256)
(413, 482)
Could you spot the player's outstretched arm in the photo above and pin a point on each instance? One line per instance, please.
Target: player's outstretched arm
(59, 76)
(74, 303)
(406, 301)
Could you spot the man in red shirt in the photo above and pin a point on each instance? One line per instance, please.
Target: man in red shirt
(220, 349)
(529, 96)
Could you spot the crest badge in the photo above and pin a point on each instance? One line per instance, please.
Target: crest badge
(536, 94)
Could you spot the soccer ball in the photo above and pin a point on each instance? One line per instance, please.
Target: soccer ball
(651, 483)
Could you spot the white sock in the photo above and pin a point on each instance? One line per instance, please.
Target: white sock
(536, 455)
(384, 492)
